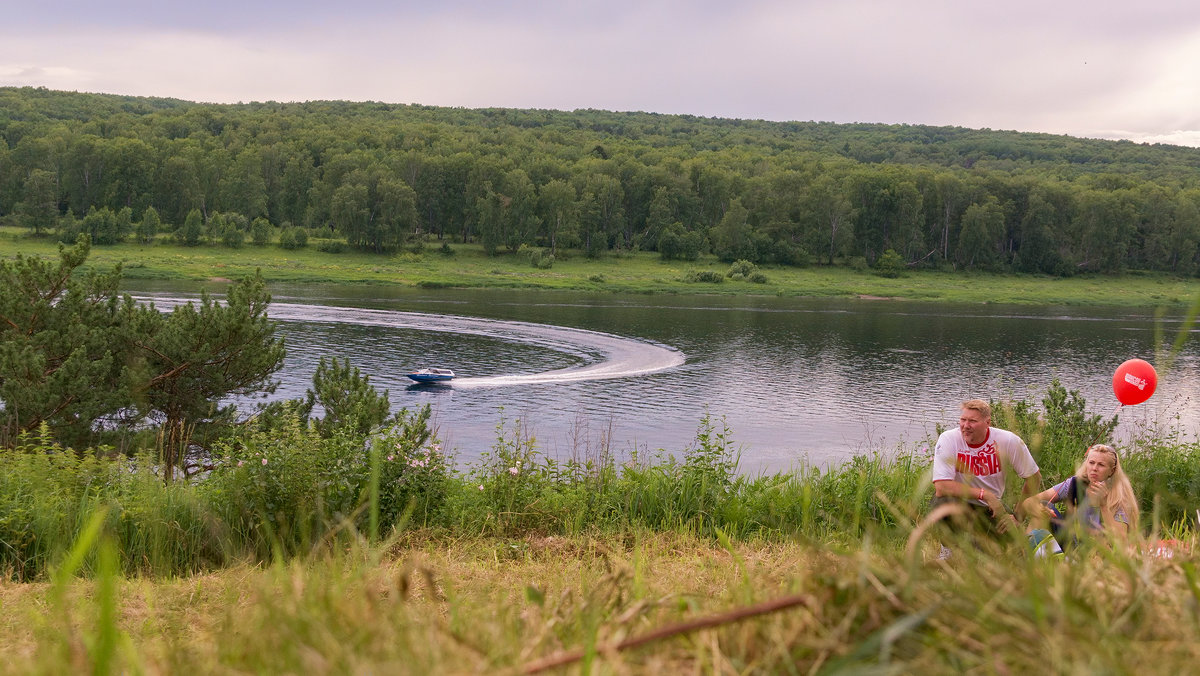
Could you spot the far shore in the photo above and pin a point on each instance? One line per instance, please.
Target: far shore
(638, 272)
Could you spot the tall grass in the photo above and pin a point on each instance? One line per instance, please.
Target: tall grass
(287, 492)
(480, 605)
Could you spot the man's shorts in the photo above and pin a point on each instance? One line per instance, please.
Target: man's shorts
(977, 517)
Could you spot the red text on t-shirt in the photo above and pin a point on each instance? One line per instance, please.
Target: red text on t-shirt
(983, 462)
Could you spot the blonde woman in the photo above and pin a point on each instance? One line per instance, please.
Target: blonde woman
(1097, 499)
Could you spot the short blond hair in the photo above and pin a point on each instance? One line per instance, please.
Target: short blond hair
(984, 408)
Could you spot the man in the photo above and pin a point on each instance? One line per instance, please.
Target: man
(969, 464)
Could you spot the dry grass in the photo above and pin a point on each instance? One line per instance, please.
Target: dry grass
(436, 605)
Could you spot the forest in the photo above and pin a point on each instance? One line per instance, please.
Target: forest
(592, 182)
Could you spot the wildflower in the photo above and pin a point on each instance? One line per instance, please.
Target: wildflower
(264, 461)
(241, 462)
(480, 486)
(513, 471)
(416, 463)
(391, 458)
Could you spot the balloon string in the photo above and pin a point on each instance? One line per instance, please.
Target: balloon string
(1116, 411)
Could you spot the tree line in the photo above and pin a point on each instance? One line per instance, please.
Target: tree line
(381, 176)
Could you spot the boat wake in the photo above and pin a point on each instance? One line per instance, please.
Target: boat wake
(605, 355)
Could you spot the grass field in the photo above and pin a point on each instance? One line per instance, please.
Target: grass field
(640, 272)
(661, 603)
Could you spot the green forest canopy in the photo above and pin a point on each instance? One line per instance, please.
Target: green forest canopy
(381, 175)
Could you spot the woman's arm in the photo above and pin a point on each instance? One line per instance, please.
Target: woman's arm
(1111, 524)
(1034, 506)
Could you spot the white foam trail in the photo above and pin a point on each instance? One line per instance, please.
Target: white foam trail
(612, 356)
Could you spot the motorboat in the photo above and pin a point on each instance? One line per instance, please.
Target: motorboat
(432, 375)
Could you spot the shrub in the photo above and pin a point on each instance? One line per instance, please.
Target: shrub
(284, 488)
(704, 277)
(260, 231)
(741, 268)
(889, 264)
(232, 237)
(333, 246)
(509, 480)
(293, 238)
(540, 259)
(675, 242)
(1058, 435)
(744, 270)
(149, 226)
(414, 472)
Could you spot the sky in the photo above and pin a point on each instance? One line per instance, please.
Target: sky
(1110, 69)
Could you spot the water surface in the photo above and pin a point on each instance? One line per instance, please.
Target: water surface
(796, 380)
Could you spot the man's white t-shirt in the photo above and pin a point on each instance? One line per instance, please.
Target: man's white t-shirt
(981, 466)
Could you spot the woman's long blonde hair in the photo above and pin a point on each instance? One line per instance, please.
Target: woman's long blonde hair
(1120, 492)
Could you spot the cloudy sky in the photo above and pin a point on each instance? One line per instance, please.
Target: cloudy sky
(1104, 68)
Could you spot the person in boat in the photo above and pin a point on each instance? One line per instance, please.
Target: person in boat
(1097, 500)
(969, 469)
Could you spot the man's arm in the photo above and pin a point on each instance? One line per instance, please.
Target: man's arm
(948, 488)
(1033, 484)
(1030, 505)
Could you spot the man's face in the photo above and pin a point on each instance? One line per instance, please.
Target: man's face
(974, 426)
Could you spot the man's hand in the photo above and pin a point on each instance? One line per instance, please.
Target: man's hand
(1033, 508)
(1006, 521)
(994, 504)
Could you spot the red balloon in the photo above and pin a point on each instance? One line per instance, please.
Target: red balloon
(1134, 381)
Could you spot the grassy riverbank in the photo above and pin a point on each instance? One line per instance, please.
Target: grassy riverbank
(641, 272)
(269, 565)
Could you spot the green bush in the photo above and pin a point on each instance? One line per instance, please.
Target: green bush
(741, 269)
(542, 260)
(508, 481)
(291, 237)
(1057, 435)
(745, 271)
(332, 246)
(232, 237)
(260, 231)
(414, 472)
(889, 264)
(704, 277)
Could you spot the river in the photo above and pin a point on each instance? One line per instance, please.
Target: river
(795, 380)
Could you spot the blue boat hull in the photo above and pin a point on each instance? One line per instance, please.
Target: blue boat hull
(429, 378)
